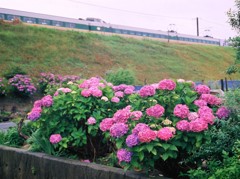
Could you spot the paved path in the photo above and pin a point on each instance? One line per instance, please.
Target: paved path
(5, 125)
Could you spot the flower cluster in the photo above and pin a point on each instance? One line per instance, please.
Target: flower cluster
(36, 111)
(202, 89)
(165, 134)
(91, 121)
(155, 111)
(118, 129)
(223, 112)
(63, 90)
(23, 84)
(146, 91)
(181, 110)
(124, 155)
(132, 140)
(146, 136)
(167, 84)
(55, 138)
(211, 99)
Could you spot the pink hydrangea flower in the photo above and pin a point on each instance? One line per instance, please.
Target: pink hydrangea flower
(211, 99)
(122, 115)
(204, 109)
(129, 90)
(115, 99)
(192, 116)
(118, 130)
(182, 125)
(95, 92)
(167, 84)
(165, 134)
(202, 89)
(198, 125)
(65, 90)
(37, 103)
(124, 155)
(181, 110)
(136, 115)
(222, 112)
(91, 121)
(119, 94)
(146, 136)
(47, 101)
(106, 124)
(140, 127)
(55, 138)
(146, 91)
(155, 111)
(86, 93)
(200, 103)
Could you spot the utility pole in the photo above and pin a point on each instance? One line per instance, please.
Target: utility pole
(197, 27)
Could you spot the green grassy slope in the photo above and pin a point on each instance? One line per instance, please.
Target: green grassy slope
(38, 50)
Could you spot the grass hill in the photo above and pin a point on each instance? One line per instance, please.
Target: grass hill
(38, 49)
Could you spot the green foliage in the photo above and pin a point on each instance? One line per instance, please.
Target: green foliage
(2, 138)
(121, 76)
(12, 71)
(234, 16)
(12, 137)
(228, 168)
(232, 101)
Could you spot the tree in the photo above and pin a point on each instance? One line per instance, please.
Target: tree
(234, 20)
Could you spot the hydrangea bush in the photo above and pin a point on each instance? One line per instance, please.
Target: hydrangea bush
(162, 121)
(22, 85)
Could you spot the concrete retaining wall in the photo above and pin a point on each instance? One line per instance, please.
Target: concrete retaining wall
(21, 164)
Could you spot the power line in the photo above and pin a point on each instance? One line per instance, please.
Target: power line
(128, 11)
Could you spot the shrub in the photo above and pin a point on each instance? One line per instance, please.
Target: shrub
(49, 82)
(10, 73)
(152, 127)
(121, 76)
(22, 85)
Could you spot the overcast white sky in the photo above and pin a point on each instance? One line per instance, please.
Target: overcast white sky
(179, 15)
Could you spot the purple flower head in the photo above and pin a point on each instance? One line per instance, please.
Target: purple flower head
(155, 111)
(124, 155)
(55, 138)
(223, 112)
(118, 130)
(181, 110)
(91, 121)
(167, 84)
(165, 134)
(47, 101)
(35, 114)
(147, 90)
(37, 103)
(140, 127)
(132, 140)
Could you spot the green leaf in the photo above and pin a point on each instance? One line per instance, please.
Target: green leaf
(165, 156)
(119, 144)
(166, 146)
(141, 156)
(185, 138)
(154, 152)
(149, 147)
(173, 147)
